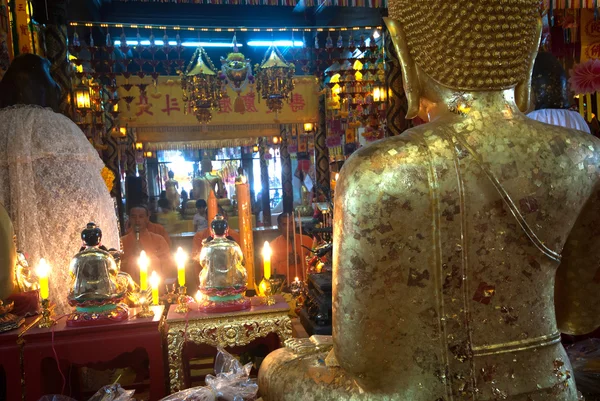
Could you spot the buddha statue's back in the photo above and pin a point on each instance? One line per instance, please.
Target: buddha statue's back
(448, 238)
(445, 276)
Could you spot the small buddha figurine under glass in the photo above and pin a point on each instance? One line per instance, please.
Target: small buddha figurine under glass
(223, 276)
(95, 289)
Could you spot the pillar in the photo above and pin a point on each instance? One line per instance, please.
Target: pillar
(397, 103)
(53, 13)
(110, 156)
(264, 180)
(143, 173)
(131, 165)
(248, 167)
(286, 172)
(321, 150)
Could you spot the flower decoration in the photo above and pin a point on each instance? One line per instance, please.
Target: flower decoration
(109, 178)
(585, 77)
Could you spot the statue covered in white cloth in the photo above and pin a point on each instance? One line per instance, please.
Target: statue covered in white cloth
(50, 175)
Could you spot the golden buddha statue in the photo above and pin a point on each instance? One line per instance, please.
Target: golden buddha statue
(453, 241)
(206, 182)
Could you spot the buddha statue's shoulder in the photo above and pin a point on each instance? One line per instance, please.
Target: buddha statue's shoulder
(392, 158)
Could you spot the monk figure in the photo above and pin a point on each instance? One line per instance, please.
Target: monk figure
(453, 241)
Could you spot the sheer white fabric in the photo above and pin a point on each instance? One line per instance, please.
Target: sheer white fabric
(51, 185)
(561, 118)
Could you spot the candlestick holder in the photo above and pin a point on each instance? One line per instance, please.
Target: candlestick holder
(144, 298)
(46, 321)
(266, 291)
(182, 301)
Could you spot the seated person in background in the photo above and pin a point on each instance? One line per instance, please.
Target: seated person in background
(167, 217)
(286, 253)
(550, 95)
(141, 239)
(200, 236)
(200, 221)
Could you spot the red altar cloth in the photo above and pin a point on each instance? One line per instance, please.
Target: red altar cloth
(91, 345)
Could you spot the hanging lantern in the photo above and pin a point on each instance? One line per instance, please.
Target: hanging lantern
(274, 79)
(201, 86)
(82, 98)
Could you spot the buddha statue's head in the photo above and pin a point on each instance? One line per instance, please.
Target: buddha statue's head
(205, 166)
(219, 226)
(549, 83)
(28, 81)
(450, 46)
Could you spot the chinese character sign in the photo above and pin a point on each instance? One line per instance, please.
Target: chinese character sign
(164, 106)
(590, 36)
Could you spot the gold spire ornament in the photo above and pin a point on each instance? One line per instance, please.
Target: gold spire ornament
(201, 86)
(464, 247)
(274, 79)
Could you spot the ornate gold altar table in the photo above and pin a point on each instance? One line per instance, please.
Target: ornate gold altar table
(230, 329)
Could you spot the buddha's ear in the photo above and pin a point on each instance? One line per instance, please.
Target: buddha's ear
(523, 89)
(410, 78)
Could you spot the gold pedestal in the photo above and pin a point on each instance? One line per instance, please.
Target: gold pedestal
(144, 303)
(266, 292)
(46, 321)
(182, 304)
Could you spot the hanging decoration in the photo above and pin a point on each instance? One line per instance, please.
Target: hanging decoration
(275, 79)
(201, 86)
(236, 71)
(585, 77)
(283, 3)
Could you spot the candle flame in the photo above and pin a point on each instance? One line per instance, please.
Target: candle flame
(180, 258)
(43, 269)
(296, 279)
(266, 252)
(143, 261)
(199, 296)
(337, 175)
(154, 280)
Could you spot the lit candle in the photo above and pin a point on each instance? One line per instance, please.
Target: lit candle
(42, 271)
(267, 260)
(154, 281)
(143, 262)
(180, 258)
(199, 297)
